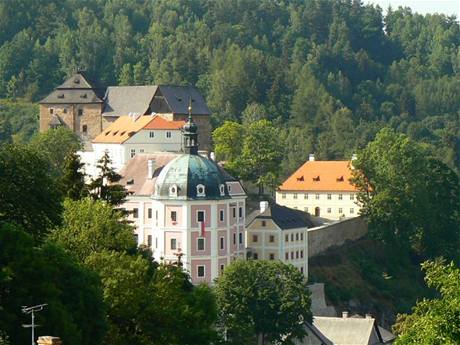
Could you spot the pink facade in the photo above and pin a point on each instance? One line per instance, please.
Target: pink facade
(169, 235)
(169, 210)
(207, 243)
(207, 215)
(207, 271)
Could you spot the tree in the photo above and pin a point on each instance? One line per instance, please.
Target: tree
(105, 185)
(228, 140)
(29, 195)
(434, 321)
(90, 226)
(261, 155)
(33, 275)
(262, 300)
(72, 182)
(411, 200)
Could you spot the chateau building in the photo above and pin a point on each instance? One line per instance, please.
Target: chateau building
(88, 109)
(185, 205)
(321, 188)
(275, 232)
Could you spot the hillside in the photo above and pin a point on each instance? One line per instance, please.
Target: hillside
(387, 283)
(329, 73)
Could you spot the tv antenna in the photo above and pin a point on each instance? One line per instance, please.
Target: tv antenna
(32, 310)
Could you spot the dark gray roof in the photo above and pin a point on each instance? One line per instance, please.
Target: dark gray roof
(178, 98)
(286, 218)
(122, 100)
(188, 171)
(76, 89)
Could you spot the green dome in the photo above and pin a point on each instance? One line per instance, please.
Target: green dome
(194, 177)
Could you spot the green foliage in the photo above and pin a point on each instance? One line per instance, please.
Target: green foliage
(104, 186)
(434, 321)
(18, 121)
(264, 300)
(29, 195)
(72, 182)
(91, 226)
(228, 140)
(33, 275)
(410, 200)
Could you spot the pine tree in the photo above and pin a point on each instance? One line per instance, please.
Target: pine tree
(105, 186)
(73, 179)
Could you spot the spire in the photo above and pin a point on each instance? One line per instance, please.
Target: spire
(190, 133)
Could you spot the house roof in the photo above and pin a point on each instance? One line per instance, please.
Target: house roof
(159, 122)
(122, 100)
(135, 172)
(284, 217)
(320, 176)
(178, 98)
(347, 331)
(125, 127)
(77, 89)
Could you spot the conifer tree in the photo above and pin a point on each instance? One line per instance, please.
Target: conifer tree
(73, 179)
(105, 186)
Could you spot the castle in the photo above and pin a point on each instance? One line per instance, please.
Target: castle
(84, 106)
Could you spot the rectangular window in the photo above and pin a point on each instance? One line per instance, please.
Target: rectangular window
(135, 213)
(352, 197)
(286, 256)
(286, 238)
(136, 237)
(168, 134)
(317, 196)
(149, 240)
(301, 236)
(340, 210)
(149, 213)
(255, 256)
(292, 237)
(240, 212)
(271, 239)
(234, 212)
(329, 196)
(297, 236)
(234, 239)
(141, 150)
(222, 243)
(133, 152)
(301, 254)
(173, 243)
(340, 196)
(152, 134)
(156, 242)
(222, 267)
(297, 254)
(200, 271)
(301, 270)
(292, 255)
(352, 210)
(221, 215)
(51, 110)
(64, 110)
(241, 238)
(173, 216)
(294, 195)
(84, 129)
(305, 196)
(156, 214)
(200, 216)
(283, 196)
(200, 244)
(272, 256)
(80, 112)
(328, 210)
(264, 223)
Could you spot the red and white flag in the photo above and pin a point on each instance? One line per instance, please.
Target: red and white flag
(202, 229)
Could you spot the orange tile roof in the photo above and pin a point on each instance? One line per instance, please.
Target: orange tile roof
(161, 123)
(125, 127)
(320, 176)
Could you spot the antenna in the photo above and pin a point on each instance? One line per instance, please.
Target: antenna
(32, 310)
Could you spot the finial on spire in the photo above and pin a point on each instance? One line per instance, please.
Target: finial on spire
(190, 108)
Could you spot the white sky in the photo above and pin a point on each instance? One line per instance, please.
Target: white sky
(448, 7)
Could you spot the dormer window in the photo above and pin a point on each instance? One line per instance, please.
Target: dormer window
(229, 189)
(300, 178)
(340, 179)
(200, 191)
(316, 178)
(222, 190)
(173, 190)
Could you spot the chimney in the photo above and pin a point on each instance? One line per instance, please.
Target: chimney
(212, 155)
(150, 168)
(47, 340)
(368, 316)
(354, 156)
(263, 206)
(345, 315)
(311, 157)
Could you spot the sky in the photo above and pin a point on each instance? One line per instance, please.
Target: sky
(448, 7)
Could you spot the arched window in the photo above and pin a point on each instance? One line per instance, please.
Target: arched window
(222, 190)
(200, 190)
(173, 190)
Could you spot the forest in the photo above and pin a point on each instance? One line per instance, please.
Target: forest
(329, 74)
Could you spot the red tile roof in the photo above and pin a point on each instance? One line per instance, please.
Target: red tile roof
(160, 123)
(320, 176)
